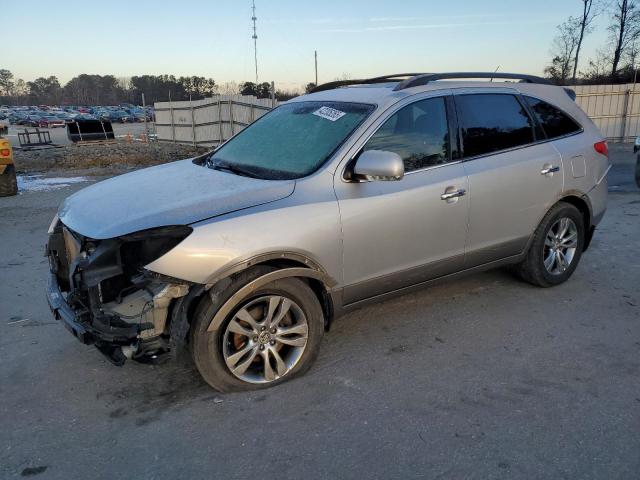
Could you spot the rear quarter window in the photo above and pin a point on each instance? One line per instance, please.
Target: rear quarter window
(553, 121)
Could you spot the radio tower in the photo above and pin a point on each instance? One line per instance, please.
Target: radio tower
(255, 38)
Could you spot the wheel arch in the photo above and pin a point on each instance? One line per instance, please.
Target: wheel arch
(285, 264)
(582, 203)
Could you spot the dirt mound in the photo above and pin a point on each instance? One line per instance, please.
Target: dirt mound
(115, 156)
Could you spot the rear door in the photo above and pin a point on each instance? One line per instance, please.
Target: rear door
(515, 175)
(400, 233)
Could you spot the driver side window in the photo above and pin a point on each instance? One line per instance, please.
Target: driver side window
(419, 133)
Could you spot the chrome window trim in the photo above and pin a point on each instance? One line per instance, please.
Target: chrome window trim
(433, 167)
(520, 147)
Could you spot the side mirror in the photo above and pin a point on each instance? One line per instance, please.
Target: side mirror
(379, 165)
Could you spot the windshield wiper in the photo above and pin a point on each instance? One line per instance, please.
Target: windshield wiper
(225, 167)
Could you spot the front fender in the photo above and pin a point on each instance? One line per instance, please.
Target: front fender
(250, 287)
(305, 234)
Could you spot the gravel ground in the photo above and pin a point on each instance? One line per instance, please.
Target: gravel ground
(485, 377)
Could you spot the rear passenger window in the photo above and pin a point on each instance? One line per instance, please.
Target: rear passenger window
(419, 133)
(554, 122)
(492, 122)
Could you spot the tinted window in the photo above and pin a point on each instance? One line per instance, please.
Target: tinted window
(491, 122)
(418, 133)
(554, 122)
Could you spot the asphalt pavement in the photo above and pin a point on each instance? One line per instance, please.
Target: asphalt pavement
(484, 377)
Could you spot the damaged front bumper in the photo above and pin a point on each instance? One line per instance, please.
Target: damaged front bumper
(101, 293)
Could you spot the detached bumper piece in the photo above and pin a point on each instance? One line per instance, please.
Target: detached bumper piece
(106, 302)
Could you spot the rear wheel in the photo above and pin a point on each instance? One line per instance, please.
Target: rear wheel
(8, 182)
(270, 336)
(556, 247)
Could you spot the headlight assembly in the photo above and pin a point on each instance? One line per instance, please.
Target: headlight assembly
(142, 248)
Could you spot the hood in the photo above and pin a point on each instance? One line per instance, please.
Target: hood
(177, 193)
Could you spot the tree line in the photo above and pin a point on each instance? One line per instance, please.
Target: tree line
(614, 62)
(102, 89)
(109, 90)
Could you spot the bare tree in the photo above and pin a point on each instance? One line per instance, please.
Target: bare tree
(589, 12)
(599, 68)
(229, 88)
(625, 30)
(563, 50)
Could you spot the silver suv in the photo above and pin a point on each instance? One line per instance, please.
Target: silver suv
(357, 191)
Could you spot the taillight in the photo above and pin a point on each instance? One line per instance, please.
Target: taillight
(602, 149)
(5, 152)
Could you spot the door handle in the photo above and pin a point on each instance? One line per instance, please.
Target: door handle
(548, 170)
(449, 195)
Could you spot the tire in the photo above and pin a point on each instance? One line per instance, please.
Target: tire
(533, 269)
(8, 182)
(210, 349)
(638, 171)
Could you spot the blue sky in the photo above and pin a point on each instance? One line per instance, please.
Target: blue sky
(213, 38)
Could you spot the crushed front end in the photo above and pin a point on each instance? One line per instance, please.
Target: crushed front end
(101, 292)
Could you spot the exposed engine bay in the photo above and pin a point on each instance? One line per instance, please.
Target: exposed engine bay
(115, 303)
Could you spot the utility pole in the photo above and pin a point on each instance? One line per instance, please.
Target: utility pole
(316, 59)
(255, 37)
(146, 129)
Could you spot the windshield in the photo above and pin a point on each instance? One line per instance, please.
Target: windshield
(291, 141)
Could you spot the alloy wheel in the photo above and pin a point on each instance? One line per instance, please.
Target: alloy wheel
(560, 246)
(265, 339)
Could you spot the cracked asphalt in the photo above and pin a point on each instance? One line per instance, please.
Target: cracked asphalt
(481, 378)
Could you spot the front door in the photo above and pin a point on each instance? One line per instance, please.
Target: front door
(400, 233)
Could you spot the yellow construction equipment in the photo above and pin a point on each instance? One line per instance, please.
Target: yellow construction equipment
(8, 183)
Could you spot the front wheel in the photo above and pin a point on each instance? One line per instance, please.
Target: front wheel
(270, 336)
(556, 247)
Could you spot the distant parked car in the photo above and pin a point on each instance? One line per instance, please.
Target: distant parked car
(51, 121)
(17, 118)
(83, 116)
(66, 117)
(141, 117)
(121, 116)
(32, 120)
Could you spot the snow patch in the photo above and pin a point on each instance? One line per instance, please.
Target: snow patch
(40, 183)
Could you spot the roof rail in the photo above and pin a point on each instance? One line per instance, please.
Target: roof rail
(383, 79)
(425, 78)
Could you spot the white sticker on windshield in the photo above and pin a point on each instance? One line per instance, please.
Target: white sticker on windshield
(329, 113)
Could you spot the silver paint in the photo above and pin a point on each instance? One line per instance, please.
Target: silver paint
(369, 238)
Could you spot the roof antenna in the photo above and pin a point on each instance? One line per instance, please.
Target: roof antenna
(495, 71)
